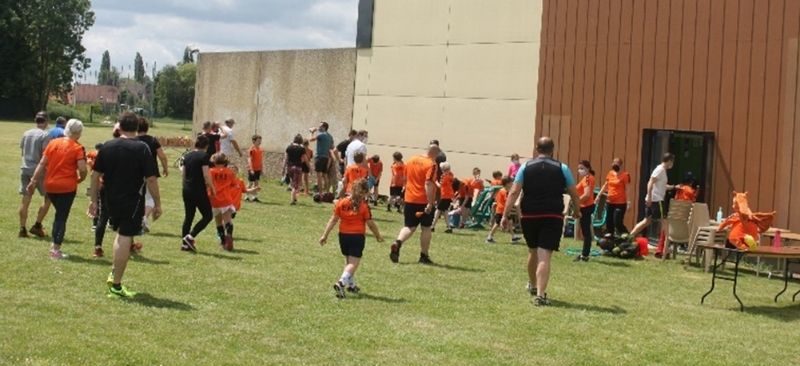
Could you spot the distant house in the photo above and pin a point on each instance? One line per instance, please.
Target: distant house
(90, 93)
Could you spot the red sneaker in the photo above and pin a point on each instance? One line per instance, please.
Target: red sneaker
(136, 247)
(227, 243)
(98, 252)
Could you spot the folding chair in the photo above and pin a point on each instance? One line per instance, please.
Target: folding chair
(679, 230)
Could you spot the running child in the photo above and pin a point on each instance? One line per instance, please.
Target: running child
(500, 201)
(354, 214)
(376, 171)
(255, 163)
(222, 203)
(397, 183)
(354, 172)
(445, 185)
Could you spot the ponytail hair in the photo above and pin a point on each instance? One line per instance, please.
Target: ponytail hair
(359, 193)
(588, 165)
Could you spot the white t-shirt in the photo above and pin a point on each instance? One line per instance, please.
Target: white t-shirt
(355, 146)
(660, 186)
(225, 144)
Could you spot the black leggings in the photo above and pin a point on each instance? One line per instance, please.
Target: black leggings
(615, 218)
(193, 201)
(63, 204)
(586, 229)
(101, 224)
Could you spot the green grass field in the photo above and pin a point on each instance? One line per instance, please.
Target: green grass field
(271, 302)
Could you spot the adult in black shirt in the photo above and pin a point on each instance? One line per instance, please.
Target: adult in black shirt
(155, 147)
(342, 149)
(195, 180)
(295, 157)
(125, 165)
(212, 136)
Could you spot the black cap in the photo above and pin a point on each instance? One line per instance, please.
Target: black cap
(41, 117)
(434, 142)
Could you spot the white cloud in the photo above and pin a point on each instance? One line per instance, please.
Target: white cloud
(160, 30)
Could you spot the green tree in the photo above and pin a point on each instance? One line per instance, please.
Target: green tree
(40, 51)
(175, 87)
(104, 77)
(138, 68)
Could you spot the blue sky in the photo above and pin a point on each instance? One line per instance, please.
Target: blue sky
(160, 29)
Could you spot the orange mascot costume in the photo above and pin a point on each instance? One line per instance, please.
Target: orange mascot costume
(746, 226)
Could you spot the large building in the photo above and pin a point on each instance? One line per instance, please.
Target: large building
(713, 81)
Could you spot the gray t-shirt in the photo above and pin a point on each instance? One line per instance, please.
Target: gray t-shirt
(32, 145)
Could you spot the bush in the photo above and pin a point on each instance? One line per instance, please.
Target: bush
(81, 112)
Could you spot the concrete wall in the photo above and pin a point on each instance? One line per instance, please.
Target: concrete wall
(462, 71)
(276, 94)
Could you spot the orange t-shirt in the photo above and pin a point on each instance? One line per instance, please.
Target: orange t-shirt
(237, 194)
(473, 184)
(419, 170)
(91, 156)
(353, 221)
(256, 159)
(617, 182)
(353, 173)
(447, 186)
(225, 183)
(501, 197)
(376, 169)
(497, 182)
(686, 193)
(398, 174)
(586, 183)
(462, 190)
(63, 155)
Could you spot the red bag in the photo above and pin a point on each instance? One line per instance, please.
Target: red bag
(643, 247)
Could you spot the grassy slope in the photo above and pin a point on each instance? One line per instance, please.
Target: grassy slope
(271, 303)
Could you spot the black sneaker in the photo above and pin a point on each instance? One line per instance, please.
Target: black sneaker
(394, 255)
(449, 230)
(255, 199)
(433, 229)
(339, 288)
(23, 233)
(188, 244)
(354, 289)
(579, 258)
(389, 208)
(515, 239)
(38, 231)
(425, 259)
(541, 301)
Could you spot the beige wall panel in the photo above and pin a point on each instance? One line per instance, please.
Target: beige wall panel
(489, 126)
(495, 21)
(226, 87)
(407, 71)
(363, 69)
(401, 121)
(410, 22)
(501, 71)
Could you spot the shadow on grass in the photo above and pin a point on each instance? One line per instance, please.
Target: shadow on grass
(616, 263)
(445, 266)
(142, 259)
(94, 261)
(219, 256)
(245, 251)
(148, 300)
(163, 235)
(365, 296)
(382, 220)
(245, 240)
(615, 310)
(265, 203)
(790, 313)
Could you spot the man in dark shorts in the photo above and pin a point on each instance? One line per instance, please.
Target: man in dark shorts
(341, 148)
(32, 146)
(657, 188)
(322, 160)
(420, 194)
(126, 166)
(543, 182)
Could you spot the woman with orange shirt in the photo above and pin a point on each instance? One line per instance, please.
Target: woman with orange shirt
(616, 185)
(585, 190)
(64, 167)
(354, 214)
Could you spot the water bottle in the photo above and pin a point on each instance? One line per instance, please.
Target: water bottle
(777, 242)
(719, 215)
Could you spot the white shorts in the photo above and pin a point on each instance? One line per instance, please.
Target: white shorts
(149, 202)
(222, 210)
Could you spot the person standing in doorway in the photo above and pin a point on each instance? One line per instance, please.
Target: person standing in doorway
(126, 166)
(420, 200)
(657, 188)
(542, 182)
(616, 186)
(32, 146)
(323, 160)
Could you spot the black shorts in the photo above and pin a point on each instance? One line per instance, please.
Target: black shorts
(305, 168)
(655, 211)
(321, 164)
(126, 225)
(254, 177)
(497, 218)
(395, 191)
(444, 204)
(352, 245)
(543, 233)
(412, 221)
(468, 202)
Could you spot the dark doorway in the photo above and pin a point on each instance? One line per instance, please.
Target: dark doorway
(693, 158)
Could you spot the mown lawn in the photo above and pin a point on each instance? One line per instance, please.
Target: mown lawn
(271, 302)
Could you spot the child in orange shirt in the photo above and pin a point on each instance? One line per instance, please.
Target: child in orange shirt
(255, 163)
(354, 172)
(237, 193)
(375, 171)
(497, 179)
(397, 183)
(354, 214)
(474, 186)
(500, 201)
(225, 184)
(445, 185)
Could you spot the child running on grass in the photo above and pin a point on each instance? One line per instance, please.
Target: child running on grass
(222, 204)
(376, 171)
(397, 183)
(445, 185)
(255, 166)
(500, 201)
(354, 214)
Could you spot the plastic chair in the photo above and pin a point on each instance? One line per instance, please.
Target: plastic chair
(482, 207)
(678, 221)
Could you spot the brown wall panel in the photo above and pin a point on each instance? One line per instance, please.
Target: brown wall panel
(621, 137)
(741, 96)
(723, 183)
(661, 63)
(700, 69)
(772, 104)
(755, 113)
(578, 129)
(591, 80)
(543, 60)
(611, 90)
(687, 72)
(674, 69)
(633, 136)
(601, 78)
(788, 91)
